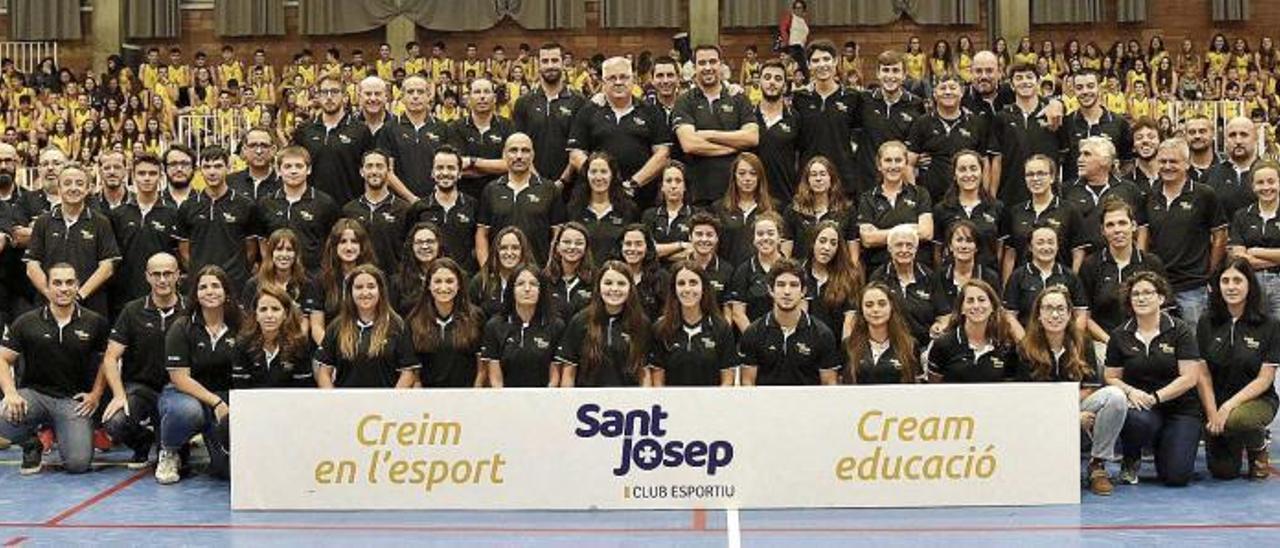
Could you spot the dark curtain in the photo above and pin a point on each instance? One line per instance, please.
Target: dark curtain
(1066, 11)
(249, 17)
(635, 14)
(151, 19)
(44, 19)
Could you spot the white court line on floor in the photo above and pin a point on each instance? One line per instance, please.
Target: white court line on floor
(732, 529)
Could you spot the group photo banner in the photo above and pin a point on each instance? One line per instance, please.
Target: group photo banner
(674, 448)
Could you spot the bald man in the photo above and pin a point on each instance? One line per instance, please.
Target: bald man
(1230, 178)
(414, 141)
(522, 199)
(480, 137)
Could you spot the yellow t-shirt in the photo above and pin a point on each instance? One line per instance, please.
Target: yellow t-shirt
(180, 75)
(415, 66)
(938, 67)
(231, 71)
(1029, 58)
(149, 74)
(1139, 107)
(753, 67)
(386, 69)
(1115, 101)
(914, 64)
(308, 73)
(1218, 62)
(1071, 103)
(476, 67)
(448, 114)
(440, 65)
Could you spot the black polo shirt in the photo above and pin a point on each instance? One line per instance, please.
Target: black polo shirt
(941, 139)
(737, 236)
(487, 144)
(536, 209)
(449, 366)
(779, 152)
(918, 300)
(188, 345)
(141, 329)
(386, 222)
(1017, 136)
(1077, 129)
(986, 216)
(254, 368)
(978, 104)
(829, 123)
(217, 230)
(1101, 279)
(709, 175)
(800, 228)
(362, 370)
(1021, 220)
(613, 369)
(720, 276)
(1233, 187)
(60, 361)
(875, 209)
(141, 235)
(569, 296)
(1152, 367)
(750, 286)
(948, 291)
(830, 316)
(244, 183)
(1092, 377)
(605, 231)
(491, 297)
(883, 369)
(525, 351)
(457, 226)
(1180, 232)
(548, 121)
(956, 361)
(414, 150)
(1236, 351)
(1249, 229)
(83, 243)
(311, 217)
(1087, 198)
(1027, 281)
(98, 202)
(665, 227)
(336, 156)
(697, 353)
(788, 359)
(882, 122)
(628, 139)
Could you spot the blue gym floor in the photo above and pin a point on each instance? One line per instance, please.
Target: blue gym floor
(117, 506)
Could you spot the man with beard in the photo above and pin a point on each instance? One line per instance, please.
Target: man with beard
(1098, 182)
(259, 179)
(1021, 130)
(987, 94)
(788, 346)
(779, 132)
(1200, 134)
(111, 176)
(522, 199)
(666, 85)
(298, 206)
(73, 233)
(1146, 139)
(215, 226)
(935, 138)
(1230, 178)
(480, 137)
(179, 168)
(454, 212)
(42, 199)
(887, 112)
(546, 115)
(712, 127)
(334, 143)
(415, 139)
(1094, 120)
(382, 213)
(829, 114)
(15, 293)
(144, 226)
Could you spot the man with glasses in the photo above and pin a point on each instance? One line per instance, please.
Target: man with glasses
(334, 143)
(259, 178)
(179, 169)
(633, 133)
(454, 212)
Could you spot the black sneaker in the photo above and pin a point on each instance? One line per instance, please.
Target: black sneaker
(141, 452)
(32, 457)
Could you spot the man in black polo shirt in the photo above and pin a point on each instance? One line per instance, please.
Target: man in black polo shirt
(112, 175)
(73, 233)
(779, 129)
(382, 213)
(935, 138)
(480, 137)
(16, 294)
(1094, 120)
(1187, 229)
(987, 95)
(144, 227)
(634, 133)
(1019, 131)
(309, 212)
(546, 115)
(1146, 139)
(259, 178)
(1200, 134)
(1106, 268)
(415, 139)
(829, 114)
(334, 143)
(1097, 182)
(887, 113)
(712, 127)
(179, 169)
(455, 213)
(133, 366)
(216, 227)
(1230, 178)
(787, 346)
(522, 199)
(61, 343)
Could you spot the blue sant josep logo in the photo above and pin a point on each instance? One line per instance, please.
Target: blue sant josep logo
(642, 432)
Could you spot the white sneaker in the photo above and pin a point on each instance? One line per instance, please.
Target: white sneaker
(167, 467)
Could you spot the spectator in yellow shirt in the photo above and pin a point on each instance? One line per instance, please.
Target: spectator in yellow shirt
(385, 65)
(414, 63)
(914, 60)
(231, 69)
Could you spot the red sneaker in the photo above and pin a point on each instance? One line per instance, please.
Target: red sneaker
(47, 438)
(101, 441)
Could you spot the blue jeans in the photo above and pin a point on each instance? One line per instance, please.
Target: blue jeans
(1192, 304)
(181, 417)
(75, 433)
(1270, 282)
(1175, 439)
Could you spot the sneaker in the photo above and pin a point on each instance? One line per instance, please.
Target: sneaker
(167, 467)
(1129, 471)
(32, 456)
(1099, 479)
(47, 439)
(141, 453)
(101, 441)
(1259, 463)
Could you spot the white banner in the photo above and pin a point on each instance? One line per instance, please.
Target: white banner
(673, 448)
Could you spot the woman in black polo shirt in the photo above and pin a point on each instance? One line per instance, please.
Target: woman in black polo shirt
(510, 249)
(978, 345)
(607, 344)
(747, 196)
(200, 351)
(602, 206)
(423, 244)
(911, 281)
(636, 250)
(819, 197)
(1241, 345)
(668, 220)
(282, 267)
(368, 344)
(274, 352)
(1043, 209)
(1255, 232)
(570, 271)
(749, 290)
(960, 266)
(833, 280)
(693, 345)
(1040, 272)
(1154, 359)
(880, 347)
(968, 200)
(518, 347)
(347, 247)
(445, 327)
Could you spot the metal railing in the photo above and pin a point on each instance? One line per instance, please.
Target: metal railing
(202, 130)
(27, 55)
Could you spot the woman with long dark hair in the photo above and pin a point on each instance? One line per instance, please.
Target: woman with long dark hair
(819, 197)
(833, 282)
(880, 348)
(347, 247)
(518, 347)
(693, 344)
(445, 327)
(668, 221)
(606, 344)
(978, 345)
(423, 244)
(274, 350)
(510, 249)
(637, 252)
(968, 200)
(282, 267)
(368, 345)
(749, 291)
(602, 205)
(747, 196)
(570, 271)
(959, 266)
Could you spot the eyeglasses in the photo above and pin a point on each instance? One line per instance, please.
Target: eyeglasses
(168, 274)
(324, 92)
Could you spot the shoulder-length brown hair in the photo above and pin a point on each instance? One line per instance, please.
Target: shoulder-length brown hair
(672, 312)
(844, 278)
(1034, 349)
(998, 331)
(836, 199)
(298, 277)
(634, 323)
(331, 266)
(291, 339)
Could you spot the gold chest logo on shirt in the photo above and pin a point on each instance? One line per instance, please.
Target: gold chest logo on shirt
(997, 363)
(541, 343)
(1166, 348)
(86, 235)
(709, 344)
(1252, 343)
(82, 335)
(306, 216)
(228, 217)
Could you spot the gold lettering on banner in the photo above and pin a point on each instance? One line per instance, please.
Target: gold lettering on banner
(875, 426)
